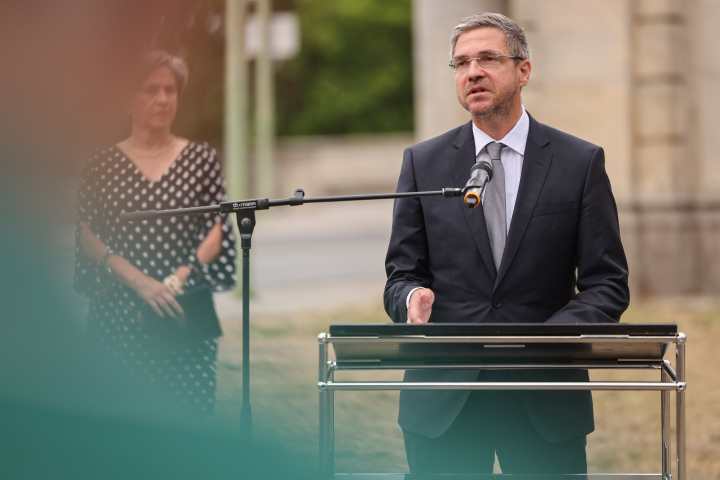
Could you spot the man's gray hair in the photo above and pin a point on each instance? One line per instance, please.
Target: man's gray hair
(514, 35)
(158, 58)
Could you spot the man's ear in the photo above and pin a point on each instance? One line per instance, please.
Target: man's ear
(524, 72)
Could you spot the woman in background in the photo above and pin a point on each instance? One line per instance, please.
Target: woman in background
(124, 267)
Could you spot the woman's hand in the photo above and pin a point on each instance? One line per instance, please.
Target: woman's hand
(158, 295)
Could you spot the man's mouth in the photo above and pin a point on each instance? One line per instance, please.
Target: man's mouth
(477, 90)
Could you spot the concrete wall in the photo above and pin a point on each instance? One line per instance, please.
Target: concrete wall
(344, 165)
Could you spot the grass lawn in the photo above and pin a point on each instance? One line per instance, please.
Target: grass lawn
(284, 356)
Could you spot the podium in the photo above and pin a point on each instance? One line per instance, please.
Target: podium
(630, 347)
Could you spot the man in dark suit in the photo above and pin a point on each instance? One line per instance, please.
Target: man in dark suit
(543, 247)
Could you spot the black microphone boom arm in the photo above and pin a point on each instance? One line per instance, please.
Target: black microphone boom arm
(264, 203)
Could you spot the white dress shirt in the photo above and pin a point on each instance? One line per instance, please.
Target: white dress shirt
(512, 159)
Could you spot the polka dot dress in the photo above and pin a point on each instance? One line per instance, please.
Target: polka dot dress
(110, 185)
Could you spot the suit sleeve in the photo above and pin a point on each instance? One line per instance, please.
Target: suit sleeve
(602, 271)
(406, 264)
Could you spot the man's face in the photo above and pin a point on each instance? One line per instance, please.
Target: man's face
(490, 93)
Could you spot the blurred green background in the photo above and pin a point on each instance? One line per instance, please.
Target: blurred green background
(353, 73)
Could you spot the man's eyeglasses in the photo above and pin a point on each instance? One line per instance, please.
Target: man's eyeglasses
(484, 61)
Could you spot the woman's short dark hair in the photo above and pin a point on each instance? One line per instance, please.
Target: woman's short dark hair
(152, 59)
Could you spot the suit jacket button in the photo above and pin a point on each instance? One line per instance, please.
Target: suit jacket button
(497, 303)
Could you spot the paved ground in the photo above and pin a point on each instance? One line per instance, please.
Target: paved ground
(316, 257)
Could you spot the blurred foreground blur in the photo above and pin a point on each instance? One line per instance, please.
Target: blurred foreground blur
(67, 411)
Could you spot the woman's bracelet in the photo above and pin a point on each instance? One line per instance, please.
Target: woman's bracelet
(175, 284)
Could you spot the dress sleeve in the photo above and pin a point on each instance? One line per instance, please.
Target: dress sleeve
(220, 273)
(88, 278)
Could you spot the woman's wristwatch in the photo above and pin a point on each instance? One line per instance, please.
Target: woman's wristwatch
(195, 265)
(103, 262)
(196, 269)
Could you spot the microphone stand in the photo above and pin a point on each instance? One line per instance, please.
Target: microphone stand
(245, 215)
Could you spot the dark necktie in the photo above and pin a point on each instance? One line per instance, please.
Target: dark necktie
(494, 204)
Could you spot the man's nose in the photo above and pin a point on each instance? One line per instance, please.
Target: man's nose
(475, 70)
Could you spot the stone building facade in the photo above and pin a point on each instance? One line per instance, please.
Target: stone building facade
(641, 78)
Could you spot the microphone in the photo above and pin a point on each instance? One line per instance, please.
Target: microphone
(480, 175)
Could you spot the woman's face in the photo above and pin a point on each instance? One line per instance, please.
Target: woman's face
(153, 106)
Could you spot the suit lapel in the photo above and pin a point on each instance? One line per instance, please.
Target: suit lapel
(534, 171)
(460, 165)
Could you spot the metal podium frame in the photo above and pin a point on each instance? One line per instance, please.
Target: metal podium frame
(374, 352)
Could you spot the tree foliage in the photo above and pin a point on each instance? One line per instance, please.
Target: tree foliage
(354, 70)
(353, 73)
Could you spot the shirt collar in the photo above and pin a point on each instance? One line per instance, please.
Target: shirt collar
(515, 139)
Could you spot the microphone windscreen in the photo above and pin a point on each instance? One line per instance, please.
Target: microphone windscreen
(484, 165)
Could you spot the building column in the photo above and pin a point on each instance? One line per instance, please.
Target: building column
(664, 163)
(437, 109)
(705, 119)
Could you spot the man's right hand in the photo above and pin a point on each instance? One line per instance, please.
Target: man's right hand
(420, 306)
